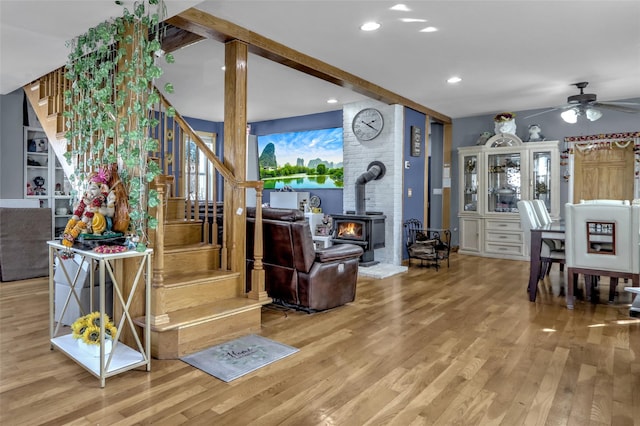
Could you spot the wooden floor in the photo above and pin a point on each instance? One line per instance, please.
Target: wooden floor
(457, 346)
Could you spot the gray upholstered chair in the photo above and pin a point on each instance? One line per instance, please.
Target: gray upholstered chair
(602, 240)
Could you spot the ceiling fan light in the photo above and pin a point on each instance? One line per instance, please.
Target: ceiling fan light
(593, 114)
(570, 116)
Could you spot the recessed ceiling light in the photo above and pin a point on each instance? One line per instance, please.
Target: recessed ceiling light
(429, 30)
(413, 20)
(454, 80)
(332, 101)
(401, 7)
(223, 68)
(370, 26)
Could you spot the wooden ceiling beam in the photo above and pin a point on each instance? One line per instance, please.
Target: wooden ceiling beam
(208, 26)
(177, 38)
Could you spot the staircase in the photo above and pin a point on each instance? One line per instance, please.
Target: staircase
(198, 295)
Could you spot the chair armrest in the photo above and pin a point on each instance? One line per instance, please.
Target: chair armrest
(338, 252)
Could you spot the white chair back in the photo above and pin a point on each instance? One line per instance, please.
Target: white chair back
(606, 202)
(541, 212)
(528, 220)
(603, 237)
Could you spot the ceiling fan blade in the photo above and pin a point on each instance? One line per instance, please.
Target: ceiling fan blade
(543, 112)
(628, 107)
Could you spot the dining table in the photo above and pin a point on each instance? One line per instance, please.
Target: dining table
(554, 231)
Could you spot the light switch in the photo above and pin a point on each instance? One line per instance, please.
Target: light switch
(409, 192)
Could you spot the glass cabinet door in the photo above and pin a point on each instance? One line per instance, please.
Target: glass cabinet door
(504, 187)
(542, 177)
(470, 181)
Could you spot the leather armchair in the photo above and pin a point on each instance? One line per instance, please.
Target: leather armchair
(296, 274)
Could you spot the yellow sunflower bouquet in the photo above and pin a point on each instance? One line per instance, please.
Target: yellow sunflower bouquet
(87, 328)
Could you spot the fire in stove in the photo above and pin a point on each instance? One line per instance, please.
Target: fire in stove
(349, 230)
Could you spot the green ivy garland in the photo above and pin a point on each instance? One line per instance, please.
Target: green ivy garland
(110, 103)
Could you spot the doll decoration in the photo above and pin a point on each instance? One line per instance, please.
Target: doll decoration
(39, 189)
(535, 133)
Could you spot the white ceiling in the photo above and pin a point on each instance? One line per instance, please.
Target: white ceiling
(512, 55)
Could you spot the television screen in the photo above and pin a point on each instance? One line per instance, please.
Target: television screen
(307, 159)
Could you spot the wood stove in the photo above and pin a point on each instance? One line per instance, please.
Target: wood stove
(365, 230)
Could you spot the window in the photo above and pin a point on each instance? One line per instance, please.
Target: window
(199, 179)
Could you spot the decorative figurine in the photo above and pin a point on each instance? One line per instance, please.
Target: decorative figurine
(91, 213)
(505, 123)
(535, 133)
(39, 188)
(484, 137)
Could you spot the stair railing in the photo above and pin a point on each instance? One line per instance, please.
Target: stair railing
(200, 178)
(178, 143)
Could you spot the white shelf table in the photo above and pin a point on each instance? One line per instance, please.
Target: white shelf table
(122, 357)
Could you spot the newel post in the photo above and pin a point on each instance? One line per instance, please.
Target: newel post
(157, 290)
(258, 289)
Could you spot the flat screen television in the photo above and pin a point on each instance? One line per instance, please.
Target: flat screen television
(309, 159)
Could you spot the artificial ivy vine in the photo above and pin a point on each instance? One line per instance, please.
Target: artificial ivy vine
(110, 99)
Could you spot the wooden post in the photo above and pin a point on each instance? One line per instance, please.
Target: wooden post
(235, 151)
(258, 289)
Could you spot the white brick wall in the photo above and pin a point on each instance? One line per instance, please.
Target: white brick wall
(383, 195)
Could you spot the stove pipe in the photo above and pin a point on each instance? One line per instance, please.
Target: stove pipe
(375, 171)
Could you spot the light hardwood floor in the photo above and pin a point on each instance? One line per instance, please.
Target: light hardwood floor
(457, 346)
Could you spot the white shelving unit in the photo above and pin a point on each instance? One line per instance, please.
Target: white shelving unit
(42, 165)
(122, 357)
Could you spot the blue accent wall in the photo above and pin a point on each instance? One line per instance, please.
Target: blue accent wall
(414, 175)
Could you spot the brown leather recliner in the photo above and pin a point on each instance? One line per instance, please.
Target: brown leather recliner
(296, 274)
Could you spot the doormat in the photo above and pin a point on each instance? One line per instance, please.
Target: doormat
(234, 359)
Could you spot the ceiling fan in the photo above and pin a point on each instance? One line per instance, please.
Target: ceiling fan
(586, 104)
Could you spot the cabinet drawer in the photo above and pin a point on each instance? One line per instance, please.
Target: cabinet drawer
(503, 237)
(502, 225)
(505, 249)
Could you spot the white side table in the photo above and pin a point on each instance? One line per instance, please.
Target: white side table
(122, 357)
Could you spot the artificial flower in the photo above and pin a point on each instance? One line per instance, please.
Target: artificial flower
(504, 116)
(87, 328)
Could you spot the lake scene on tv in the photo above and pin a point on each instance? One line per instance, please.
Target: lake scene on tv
(301, 160)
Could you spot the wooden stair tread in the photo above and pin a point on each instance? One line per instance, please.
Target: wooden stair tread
(178, 279)
(169, 249)
(204, 313)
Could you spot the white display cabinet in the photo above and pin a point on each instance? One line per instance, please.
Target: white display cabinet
(45, 180)
(493, 178)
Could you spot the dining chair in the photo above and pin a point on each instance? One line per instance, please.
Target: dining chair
(602, 240)
(529, 220)
(548, 253)
(606, 202)
(556, 247)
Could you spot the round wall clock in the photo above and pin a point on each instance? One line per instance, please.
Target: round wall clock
(314, 201)
(367, 124)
